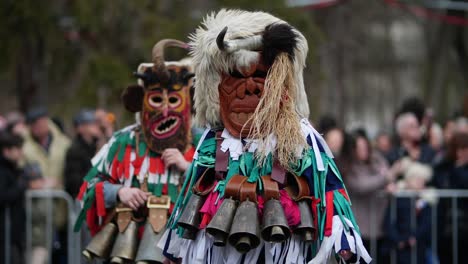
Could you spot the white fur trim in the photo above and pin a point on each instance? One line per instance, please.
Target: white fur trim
(209, 62)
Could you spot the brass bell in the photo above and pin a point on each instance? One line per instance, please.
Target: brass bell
(148, 252)
(220, 225)
(190, 218)
(275, 225)
(244, 234)
(306, 228)
(125, 245)
(101, 244)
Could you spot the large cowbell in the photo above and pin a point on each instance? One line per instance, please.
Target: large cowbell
(306, 228)
(125, 246)
(190, 218)
(148, 252)
(101, 244)
(245, 230)
(275, 226)
(220, 225)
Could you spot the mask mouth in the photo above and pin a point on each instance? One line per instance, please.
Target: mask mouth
(165, 127)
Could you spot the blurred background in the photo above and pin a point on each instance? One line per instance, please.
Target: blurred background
(365, 57)
(386, 82)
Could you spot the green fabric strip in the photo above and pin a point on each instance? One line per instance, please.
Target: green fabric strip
(122, 145)
(141, 148)
(159, 187)
(92, 173)
(172, 192)
(113, 151)
(88, 201)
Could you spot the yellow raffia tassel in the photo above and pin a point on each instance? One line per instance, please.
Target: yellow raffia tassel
(276, 116)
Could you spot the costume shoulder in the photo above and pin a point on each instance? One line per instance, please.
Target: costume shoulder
(110, 164)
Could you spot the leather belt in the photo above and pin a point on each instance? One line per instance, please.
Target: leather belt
(205, 184)
(124, 216)
(297, 187)
(233, 187)
(157, 215)
(270, 188)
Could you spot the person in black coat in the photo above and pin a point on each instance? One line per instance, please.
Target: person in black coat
(82, 150)
(12, 189)
(452, 173)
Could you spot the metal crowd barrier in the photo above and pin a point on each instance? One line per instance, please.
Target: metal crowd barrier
(453, 195)
(73, 239)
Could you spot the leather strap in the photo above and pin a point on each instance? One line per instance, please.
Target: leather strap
(233, 187)
(158, 208)
(248, 192)
(222, 158)
(205, 184)
(270, 188)
(124, 217)
(278, 173)
(297, 187)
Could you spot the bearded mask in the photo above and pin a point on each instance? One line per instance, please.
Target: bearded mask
(163, 101)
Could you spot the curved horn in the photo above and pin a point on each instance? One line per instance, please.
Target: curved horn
(229, 46)
(158, 55)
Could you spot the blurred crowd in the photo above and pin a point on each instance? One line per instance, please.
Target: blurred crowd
(419, 156)
(37, 154)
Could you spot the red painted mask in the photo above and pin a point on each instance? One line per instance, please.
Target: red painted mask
(239, 94)
(166, 112)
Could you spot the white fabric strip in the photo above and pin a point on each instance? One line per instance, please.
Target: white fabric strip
(207, 129)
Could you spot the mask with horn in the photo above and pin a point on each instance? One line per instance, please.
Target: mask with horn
(249, 80)
(162, 97)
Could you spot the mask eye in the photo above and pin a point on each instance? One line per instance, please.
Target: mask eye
(156, 100)
(174, 101)
(259, 74)
(236, 74)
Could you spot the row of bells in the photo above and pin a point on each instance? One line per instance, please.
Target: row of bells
(124, 247)
(239, 225)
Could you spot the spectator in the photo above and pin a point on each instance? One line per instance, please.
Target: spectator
(452, 173)
(383, 143)
(16, 123)
(12, 188)
(368, 174)
(82, 150)
(436, 141)
(461, 125)
(326, 123)
(409, 134)
(46, 146)
(399, 231)
(106, 121)
(335, 139)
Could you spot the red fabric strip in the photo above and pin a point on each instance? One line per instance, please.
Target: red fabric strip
(159, 166)
(91, 220)
(126, 161)
(343, 192)
(314, 205)
(329, 208)
(115, 168)
(83, 188)
(152, 165)
(101, 208)
(188, 155)
(138, 162)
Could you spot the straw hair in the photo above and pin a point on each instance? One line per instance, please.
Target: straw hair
(276, 116)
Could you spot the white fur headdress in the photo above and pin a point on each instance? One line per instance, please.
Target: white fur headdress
(210, 62)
